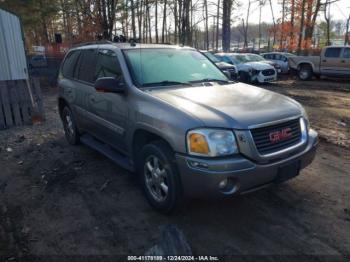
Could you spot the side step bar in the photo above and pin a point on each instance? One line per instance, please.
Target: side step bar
(108, 151)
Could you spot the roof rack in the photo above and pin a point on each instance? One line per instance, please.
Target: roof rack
(101, 42)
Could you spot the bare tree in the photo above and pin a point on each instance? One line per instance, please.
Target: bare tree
(206, 18)
(217, 26)
(327, 17)
(226, 25)
(245, 24)
(346, 38)
(301, 30)
(282, 25)
(164, 20)
(156, 20)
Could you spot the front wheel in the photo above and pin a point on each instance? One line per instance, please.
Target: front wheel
(159, 177)
(305, 72)
(245, 77)
(70, 127)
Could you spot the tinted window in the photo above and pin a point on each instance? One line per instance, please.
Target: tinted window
(332, 52)
(87, 65)
(70, 63)
(107, 65)
(346, 53)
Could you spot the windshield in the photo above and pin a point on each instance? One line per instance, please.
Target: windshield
(163, 65)
(211, 57)
(244, 58)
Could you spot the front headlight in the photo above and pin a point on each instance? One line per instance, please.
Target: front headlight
(211, 142)
(305, 118)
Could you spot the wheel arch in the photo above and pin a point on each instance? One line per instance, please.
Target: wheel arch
(143, 136)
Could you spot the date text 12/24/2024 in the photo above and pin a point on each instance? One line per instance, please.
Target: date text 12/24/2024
(173, 258)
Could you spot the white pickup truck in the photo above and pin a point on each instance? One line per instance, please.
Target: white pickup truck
(333, 61)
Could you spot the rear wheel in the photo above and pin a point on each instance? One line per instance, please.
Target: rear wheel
(159, 177)
(305, 72)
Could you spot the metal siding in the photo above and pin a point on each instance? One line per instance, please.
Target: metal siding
(13, 64)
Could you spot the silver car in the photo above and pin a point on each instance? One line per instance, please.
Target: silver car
(281, 58)
(171, 116)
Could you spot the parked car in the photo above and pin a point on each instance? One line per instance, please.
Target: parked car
(249, 69)
(37, 61)
(333, 61)
(281, 58)
(227, 68)
(172, 116)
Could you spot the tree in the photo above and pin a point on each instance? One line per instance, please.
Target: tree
(346, 37)
(226, 25)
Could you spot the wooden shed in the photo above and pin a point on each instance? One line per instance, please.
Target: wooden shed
(19, 94)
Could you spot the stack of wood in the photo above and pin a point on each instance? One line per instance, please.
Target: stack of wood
(20, 103)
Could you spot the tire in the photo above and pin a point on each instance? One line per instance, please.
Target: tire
(305, 72)
(161, 185)
(70, 127)
(244, 77)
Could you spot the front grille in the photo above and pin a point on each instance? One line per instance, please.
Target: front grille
(268, 72)
(263, 142)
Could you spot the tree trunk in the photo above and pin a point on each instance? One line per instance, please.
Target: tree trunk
(282, 25)
(206, 25)
(226, 25)
(164, 21)
(292, 14)
(156, 21)
(301, 26)
(346, 38)
(217, 26)
(274, 24)
(133, 26)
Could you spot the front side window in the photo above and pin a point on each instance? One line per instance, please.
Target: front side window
(160, 65)
(346, 53)
(107, 65)
(333, 52)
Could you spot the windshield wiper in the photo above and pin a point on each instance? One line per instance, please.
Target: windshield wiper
(166, 83)
(211, 80)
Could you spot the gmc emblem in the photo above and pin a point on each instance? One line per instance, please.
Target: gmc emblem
(283, 134)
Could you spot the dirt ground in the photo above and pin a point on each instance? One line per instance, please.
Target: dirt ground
(56, 199)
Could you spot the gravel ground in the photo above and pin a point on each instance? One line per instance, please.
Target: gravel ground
(56, 199)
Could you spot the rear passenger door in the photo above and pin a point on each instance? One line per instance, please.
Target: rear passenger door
(331, 61)
(84, 89)
(110, 109)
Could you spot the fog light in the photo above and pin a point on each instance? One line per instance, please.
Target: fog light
(197, 164)
(223, 183)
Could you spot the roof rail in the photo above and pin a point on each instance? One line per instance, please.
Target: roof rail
(101, 42)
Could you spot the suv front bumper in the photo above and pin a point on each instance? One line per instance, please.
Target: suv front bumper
(243, 175)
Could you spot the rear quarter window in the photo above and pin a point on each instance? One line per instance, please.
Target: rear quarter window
(69, 64)
(87, 65)
(333, 52)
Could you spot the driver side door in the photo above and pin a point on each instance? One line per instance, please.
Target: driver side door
(110, 109)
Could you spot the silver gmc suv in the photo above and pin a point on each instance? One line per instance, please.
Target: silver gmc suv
(169, 114)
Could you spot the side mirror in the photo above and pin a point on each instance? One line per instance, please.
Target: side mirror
(109, 85)
(227, 73)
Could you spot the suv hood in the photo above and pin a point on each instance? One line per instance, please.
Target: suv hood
(236, 105)
(224, 65)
